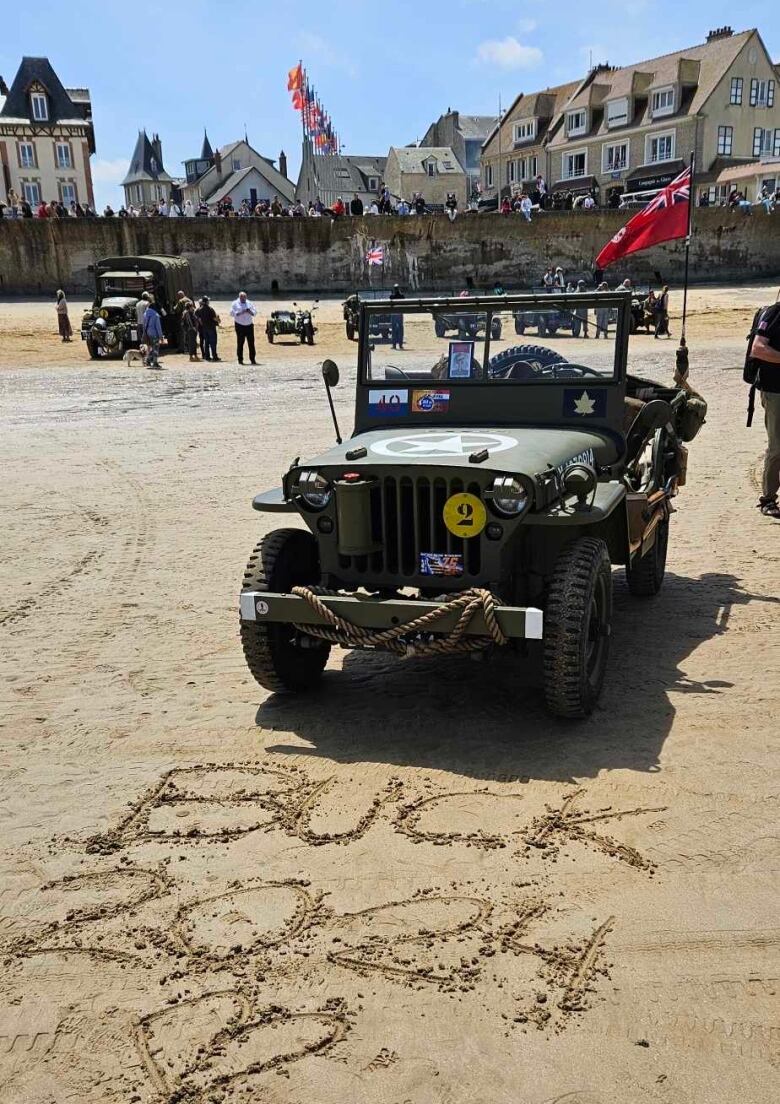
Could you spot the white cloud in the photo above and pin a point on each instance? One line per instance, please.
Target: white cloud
(525, 26)
(508, 53)
(315, 46)
(109, 172)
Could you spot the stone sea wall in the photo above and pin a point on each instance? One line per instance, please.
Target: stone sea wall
(427, 254)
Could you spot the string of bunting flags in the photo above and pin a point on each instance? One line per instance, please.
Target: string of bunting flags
(316, 122)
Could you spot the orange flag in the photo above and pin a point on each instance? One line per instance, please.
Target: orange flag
(295, 78)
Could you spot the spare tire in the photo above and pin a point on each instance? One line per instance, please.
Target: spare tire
(535, 356)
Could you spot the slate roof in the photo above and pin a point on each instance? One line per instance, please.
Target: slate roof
(342, 173)
(141, 166)
(206, 152)
(61, 107)
(211, 184)
(698, 68)
(411, 159)
(544, 104)
(476, 126)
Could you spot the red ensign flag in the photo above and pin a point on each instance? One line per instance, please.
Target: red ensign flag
(664, 218)
(295, 78)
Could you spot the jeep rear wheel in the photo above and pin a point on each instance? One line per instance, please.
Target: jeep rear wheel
(645, 575)
(277, 655)
(577, 624)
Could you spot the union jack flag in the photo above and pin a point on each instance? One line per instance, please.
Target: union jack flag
(664, 218)
(376, 255)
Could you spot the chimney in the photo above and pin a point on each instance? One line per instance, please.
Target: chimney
(720, 32)
(157, 148)
(283, 163)
(218, 163)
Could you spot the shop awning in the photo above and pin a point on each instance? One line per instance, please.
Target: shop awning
(577, 185)
(747, 172)
(649, 177)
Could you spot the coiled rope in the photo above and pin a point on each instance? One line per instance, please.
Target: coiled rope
(469, 602)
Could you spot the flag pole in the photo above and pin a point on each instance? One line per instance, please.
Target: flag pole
(682, 351)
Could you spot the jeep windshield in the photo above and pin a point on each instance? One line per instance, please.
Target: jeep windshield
(125, 283)
(512, 340)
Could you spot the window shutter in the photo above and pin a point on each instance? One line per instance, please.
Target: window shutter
(753, 92)
(770, 93)
(776, 144)
(757, 135)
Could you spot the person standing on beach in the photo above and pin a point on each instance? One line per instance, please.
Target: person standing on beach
(63, 321)
(243, 313)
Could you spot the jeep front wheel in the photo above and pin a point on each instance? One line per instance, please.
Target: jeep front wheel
(577, 625)
(279, 657)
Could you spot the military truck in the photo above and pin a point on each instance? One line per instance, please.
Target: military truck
(109, 327)
(481, 502)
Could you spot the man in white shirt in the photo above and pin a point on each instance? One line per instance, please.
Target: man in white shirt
(243, 313)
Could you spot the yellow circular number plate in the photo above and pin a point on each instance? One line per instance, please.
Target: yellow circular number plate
(464, 515)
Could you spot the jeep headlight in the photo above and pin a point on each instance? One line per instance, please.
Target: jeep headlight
(314, 489)
(509, 496)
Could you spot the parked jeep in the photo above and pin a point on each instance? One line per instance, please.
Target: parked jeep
(381, 325)
(109, 327)
(481, 502)
(466, 326)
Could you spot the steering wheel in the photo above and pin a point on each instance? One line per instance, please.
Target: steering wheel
(391, 372)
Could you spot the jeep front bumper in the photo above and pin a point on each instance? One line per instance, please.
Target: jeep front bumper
(516, 622)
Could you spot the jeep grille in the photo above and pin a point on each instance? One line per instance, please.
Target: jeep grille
(406, 519)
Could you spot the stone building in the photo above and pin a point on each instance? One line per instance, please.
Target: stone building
(237, 171)
(632, 129)
(147, 182)
(432, 170)
(516, 153)
(330, 175)
(46, 137)
(465, 136)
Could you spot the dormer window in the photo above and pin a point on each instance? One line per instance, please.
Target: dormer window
(430, 168)
(617, 112)
(576, 122)
(373, 184)
(525, 131)
(40, 107)
(662, 102)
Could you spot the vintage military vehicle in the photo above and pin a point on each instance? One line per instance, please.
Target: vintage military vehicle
(109, 326)
(381, 325)
(297, 323)
(546, 321)
(466, 326)
(482, 500)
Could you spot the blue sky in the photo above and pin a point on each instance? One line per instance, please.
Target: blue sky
(383, 71)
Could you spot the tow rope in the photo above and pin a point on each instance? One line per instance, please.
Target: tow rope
(469, 602)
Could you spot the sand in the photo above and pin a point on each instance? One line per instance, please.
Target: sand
(413, 886)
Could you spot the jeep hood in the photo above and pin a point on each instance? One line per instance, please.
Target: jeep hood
(529, 450)
(118, 302)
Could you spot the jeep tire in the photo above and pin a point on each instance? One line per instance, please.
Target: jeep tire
(645, 575)
(577, 625)
(273, 652)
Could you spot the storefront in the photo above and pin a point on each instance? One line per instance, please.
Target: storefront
(651, 178)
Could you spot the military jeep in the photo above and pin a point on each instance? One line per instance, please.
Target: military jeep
(481, 501)
(110, 327)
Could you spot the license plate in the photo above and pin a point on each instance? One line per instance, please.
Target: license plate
(134, 335)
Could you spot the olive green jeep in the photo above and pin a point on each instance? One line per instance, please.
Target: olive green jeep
(482, 500)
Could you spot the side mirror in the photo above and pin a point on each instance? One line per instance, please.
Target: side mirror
(330, 373)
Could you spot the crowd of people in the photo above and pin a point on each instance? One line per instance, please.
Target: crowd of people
(650, 310)
(766, 197)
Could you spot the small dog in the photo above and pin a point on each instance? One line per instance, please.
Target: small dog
(135, 354)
